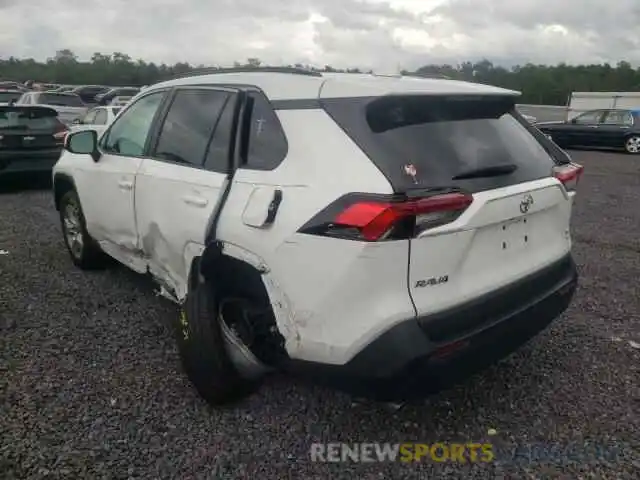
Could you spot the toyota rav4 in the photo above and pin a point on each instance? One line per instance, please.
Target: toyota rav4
(385, 235)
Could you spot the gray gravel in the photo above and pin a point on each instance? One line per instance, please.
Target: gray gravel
(92, 387)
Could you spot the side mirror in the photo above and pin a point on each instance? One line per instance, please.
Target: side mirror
(573, 120)
(84, 142)
(76, 121)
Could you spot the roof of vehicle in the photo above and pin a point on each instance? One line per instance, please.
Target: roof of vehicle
(292, 84)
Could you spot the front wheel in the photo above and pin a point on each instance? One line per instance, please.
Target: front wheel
(85, 252)
(632, 145)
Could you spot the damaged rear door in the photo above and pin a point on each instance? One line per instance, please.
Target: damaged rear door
(181, 183)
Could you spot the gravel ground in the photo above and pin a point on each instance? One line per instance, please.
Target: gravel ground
(92, 387)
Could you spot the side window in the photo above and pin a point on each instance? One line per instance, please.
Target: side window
(89, 118)
(101, 117)
(187, 129)
(218, 153)
(618, 117)
(26, 99)
(589, 117)
(128, 134)
(267, 142)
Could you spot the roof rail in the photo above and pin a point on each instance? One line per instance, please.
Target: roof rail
(214, 70)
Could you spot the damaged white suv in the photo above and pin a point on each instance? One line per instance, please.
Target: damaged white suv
(384, 235)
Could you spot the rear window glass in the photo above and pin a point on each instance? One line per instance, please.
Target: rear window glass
(419, 141)
(27, 118)
(61, 100)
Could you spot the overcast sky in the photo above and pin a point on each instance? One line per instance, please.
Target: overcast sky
(378, 34)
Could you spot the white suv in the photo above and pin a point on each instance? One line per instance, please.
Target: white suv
(384, 235)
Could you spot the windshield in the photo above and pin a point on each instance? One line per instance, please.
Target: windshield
(27, 118)
(443, 139)
(63, 100)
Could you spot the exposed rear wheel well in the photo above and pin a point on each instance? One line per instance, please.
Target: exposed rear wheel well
(61, 185)
(232, 278)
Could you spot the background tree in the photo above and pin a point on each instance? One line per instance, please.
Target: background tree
(543, 84)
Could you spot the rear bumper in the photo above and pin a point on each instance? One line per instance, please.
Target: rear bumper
(425, 355)
(28, 161)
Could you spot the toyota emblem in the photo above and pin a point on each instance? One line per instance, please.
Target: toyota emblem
(526, 203)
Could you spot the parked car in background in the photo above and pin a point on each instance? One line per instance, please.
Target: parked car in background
(603, 128)
(10, 95)
(88, 92)
(68, 105)
(107, 97)
(98, 118)
(65, 88)
(10, 85)
(31, 138)
(120, 101)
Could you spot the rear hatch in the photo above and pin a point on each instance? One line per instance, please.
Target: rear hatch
(483, 189)
(28, 128)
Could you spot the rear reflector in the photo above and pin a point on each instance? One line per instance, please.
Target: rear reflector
(379, 219)
(569, 175)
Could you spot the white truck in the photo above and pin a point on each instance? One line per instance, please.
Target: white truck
(580, 102)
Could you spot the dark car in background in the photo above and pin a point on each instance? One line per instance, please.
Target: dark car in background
(108, 96)
(88, 92)
(31, 139)
(603, 128)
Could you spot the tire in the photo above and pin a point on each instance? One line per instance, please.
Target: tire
(84, 251)
(632, 145)
(203, 352)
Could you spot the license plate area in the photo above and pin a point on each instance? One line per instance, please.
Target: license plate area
(515, 235)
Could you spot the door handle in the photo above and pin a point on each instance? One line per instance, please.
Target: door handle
(273, 207)
(195, 201)
(125, 184)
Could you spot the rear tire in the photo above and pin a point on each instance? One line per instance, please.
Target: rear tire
(632, 145)
(203, 351)
(84, 251)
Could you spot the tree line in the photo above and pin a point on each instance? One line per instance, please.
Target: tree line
(540, 84)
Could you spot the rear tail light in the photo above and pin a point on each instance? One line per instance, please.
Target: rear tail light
(374, 218)
(569, 175)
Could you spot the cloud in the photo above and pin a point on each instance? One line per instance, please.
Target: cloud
(379, 34)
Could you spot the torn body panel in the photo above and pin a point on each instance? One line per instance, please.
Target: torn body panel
(280, 304)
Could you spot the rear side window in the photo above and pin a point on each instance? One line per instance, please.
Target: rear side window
(189, 124)
(267, 142)
(62, 100)
(429, 142)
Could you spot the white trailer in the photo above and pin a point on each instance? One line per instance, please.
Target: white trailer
(580, 102)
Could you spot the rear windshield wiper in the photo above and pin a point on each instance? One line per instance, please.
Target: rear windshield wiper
(491, 171)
